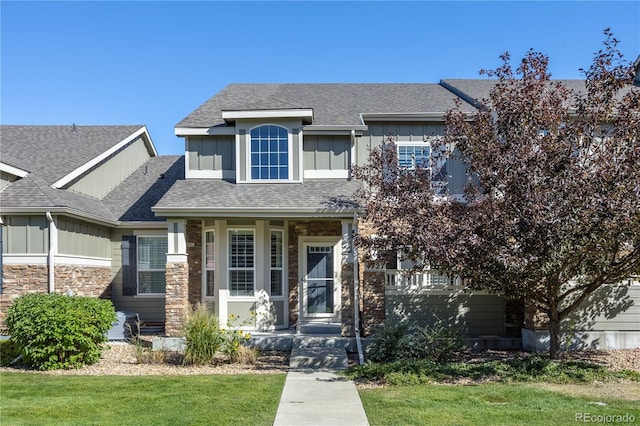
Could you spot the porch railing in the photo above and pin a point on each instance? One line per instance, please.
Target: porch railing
(433, 279)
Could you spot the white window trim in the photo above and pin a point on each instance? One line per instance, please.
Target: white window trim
(138, 292)
(204, 263)
(289, 155)
(281, 268)
(229, 268)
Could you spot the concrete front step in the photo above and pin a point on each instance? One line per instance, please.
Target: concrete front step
(319, 328)
(330, 359)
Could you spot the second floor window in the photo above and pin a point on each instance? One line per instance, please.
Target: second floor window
(269, 153)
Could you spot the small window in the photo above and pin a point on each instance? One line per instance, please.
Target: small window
(269, 153)
(419, 155)
(277, 271)
(152, 260)
(209, 264)
(241, 262)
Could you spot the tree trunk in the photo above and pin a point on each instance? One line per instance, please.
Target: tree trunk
(554, 335)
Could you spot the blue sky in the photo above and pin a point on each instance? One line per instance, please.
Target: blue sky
(154, 62)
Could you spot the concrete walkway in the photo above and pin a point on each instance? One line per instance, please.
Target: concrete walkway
(314, 394)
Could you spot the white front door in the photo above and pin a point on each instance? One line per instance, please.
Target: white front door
(320, 284)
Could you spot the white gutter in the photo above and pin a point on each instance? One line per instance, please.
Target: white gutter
(53, 243)
(356, 291)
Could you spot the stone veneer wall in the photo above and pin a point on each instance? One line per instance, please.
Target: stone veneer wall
(297, 229)
(372, 304)
(91, 281)
(194, 252)
(348, 321)
(18, 280)
(177, 298)
(372, 288)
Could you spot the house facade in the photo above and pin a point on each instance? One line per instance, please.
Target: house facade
(256, 219)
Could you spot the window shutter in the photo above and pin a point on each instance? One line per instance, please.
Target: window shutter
(129, 266)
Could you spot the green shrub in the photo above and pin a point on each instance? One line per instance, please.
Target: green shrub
(396, 341)
(203, 336)
(54, 331)
(8, 352)
(205, 339)
(385, 344)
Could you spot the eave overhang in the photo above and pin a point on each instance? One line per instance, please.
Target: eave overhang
(15, 171)
(305, 114)
(252, 212)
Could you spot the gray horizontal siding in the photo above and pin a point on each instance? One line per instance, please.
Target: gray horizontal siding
(82, 238)
(326, 152)
(25, 235)
(149, 308)
(611, 308)
(475, 314)
(102, 179)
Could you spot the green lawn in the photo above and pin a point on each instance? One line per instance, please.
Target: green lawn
(32, 398)
(488, 404)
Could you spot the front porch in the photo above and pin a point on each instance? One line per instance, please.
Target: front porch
(262, 274)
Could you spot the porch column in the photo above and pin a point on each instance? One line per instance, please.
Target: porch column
(177, 278)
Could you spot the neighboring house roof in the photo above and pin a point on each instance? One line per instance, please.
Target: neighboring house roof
(476, 91)
(54, 152)
(332, 104)
(314, 197)
(133, 198)
(57, 153)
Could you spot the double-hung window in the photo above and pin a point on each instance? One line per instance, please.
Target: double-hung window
(413, 155)
(269, 156)
(152, 259)
(277, 268)
(241, 262)
(209, 263)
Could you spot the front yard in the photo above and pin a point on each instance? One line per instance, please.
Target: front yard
(45, 399)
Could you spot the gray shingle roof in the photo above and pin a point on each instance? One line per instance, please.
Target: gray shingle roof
(33, 192)
(133, 198)
(54, 151)
(332, 104)
(322, 196)
(475, 91)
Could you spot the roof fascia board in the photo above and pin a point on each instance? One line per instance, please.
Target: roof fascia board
(205, 131)
(158, 224)
(403, 116)
(232, 115)
(106, 154)
(58, 210)
(249, 212)
(4, 167)
(325, 128)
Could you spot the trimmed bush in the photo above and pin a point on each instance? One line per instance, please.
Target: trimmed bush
(397, 341)
(54, 331)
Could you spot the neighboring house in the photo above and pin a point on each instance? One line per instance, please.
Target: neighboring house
(257, 218)
(69, 196)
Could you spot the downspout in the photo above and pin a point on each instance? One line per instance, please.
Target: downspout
(51, 263)
(356, 291)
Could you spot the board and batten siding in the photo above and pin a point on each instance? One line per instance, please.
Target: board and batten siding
(211, 153)
(610, 308)
(25, 235)
(409, 132)
(327, 152)
(474, 314)
(103, 178)
(80, 238)
(148, 308)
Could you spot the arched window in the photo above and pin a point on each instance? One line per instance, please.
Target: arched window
(269, 153)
